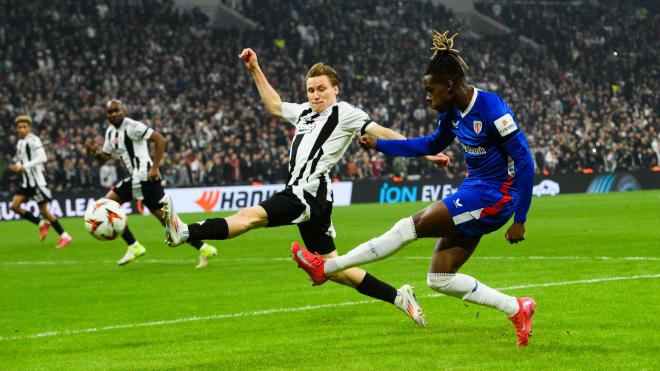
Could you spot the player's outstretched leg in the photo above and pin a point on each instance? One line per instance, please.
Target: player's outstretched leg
(135, 249)
(405, 299)
(522, 320)
(310, 263)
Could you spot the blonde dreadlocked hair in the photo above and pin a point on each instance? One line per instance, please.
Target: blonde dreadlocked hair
(445, 59)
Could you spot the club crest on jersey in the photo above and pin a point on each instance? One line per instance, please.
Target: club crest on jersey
(477, 125)
(306, 127)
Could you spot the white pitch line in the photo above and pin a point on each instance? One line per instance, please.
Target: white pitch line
(289, 310)
(188, 261)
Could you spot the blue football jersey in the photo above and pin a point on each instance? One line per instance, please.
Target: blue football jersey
(496, 150)
(481, 129)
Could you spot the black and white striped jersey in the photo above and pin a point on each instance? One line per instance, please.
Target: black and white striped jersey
(319, 143)
(129, 141)
(31, 155)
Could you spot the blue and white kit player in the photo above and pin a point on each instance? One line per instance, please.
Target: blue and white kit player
(499, 185)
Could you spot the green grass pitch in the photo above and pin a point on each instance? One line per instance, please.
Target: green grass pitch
(591, 261)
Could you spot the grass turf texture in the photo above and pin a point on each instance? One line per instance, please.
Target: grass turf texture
(76, 309)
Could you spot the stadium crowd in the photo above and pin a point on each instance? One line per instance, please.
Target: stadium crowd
(581, 106)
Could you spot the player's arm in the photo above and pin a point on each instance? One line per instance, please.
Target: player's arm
(272, 100)
(159, 149)
(517, 148)
(92, 150)
(39, 157)
(381, 132)
(413, 147)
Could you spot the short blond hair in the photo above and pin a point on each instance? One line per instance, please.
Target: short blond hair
(23, 118)
(322, 69)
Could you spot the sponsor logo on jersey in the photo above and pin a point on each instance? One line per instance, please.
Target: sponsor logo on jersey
(474, 150)
(305, 128)
(477, 125)
(505, 125)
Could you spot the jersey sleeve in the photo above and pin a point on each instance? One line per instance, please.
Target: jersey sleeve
(420, 146)
(354, 119)
(138, 131)
(292, 111)
(501, 121)
(38, 153)
(107, 142)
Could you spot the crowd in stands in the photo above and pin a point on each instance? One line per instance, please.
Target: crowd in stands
(581, 106)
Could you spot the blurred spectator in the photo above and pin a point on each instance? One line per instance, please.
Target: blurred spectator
(582, 103)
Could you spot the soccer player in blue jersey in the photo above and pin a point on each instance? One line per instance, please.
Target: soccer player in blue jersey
(499, 185)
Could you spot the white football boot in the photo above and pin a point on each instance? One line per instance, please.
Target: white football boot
(407, 302)
(176, 231)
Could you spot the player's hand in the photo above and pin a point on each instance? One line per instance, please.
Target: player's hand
(367, 141)
(249, 58)
(154, 174)
(439, 160)
(515, 233)
(16, 168)
(90, 146)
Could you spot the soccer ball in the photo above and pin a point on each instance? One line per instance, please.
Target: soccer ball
(105, 219)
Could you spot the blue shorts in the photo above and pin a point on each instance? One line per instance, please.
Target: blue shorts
(481, 208)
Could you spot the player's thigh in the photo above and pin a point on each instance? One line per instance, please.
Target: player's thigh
(17, 200)
(121, 192)
(152, 193)
(284, 208)
(452, 252)
(434, 221)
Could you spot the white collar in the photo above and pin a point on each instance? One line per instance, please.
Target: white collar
(474, 99)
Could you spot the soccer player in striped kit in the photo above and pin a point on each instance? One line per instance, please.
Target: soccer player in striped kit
(129, 139)
(31, 156)
(325, 128)
(499, 185)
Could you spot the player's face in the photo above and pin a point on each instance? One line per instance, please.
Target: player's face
(320, 93)
(22, 129)
(115, 113)
(438, 94)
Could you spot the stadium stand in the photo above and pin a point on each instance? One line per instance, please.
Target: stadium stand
(583, 107)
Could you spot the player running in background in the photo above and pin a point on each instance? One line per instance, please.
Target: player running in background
(129, 139)
(324, 130)
(31, 156)
(499, 185)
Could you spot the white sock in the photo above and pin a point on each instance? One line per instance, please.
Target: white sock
(375, 249)
(469, 289)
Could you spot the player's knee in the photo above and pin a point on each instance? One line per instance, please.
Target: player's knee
(406, 229)
(440, 282)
